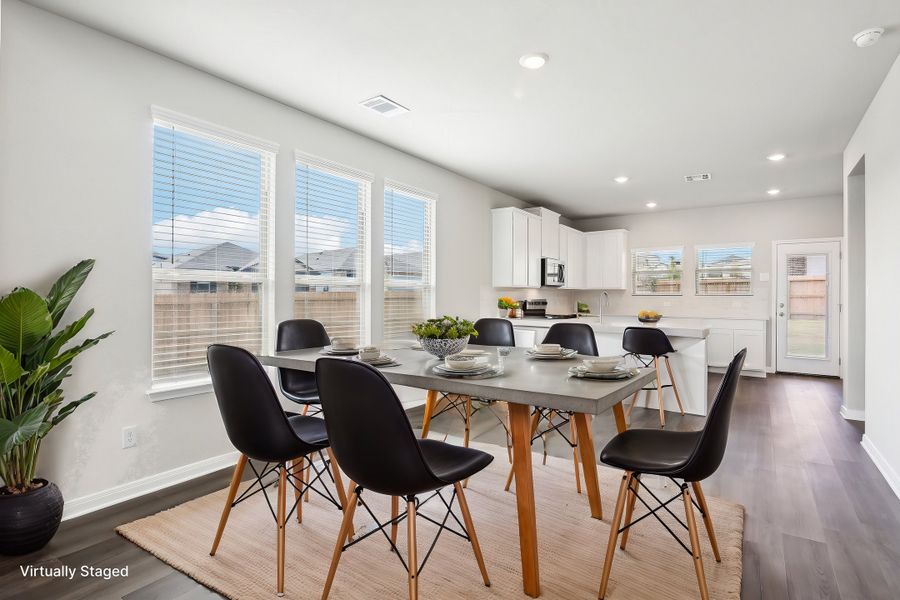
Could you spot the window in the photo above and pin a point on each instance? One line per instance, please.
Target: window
(331, 242)
(408, 258)
(725, 270)
(212, 191)
(656, 272)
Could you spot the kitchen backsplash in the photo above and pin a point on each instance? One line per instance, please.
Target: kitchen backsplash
(558, 301)
(620, 302)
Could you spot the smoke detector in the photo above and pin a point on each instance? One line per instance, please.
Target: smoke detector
(868, 37)
(384, 106)
(698, 177)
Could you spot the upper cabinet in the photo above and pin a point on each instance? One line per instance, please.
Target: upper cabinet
(595, 260)
(549, 231)
(516, 241)
(606, 260)
(571, 253)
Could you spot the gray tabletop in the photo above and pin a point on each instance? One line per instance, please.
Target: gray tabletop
(524, 381)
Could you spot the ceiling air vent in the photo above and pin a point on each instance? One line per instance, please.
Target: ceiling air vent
(384, 106)
(698, 177)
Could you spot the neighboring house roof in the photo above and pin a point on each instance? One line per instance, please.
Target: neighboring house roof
(226, 256)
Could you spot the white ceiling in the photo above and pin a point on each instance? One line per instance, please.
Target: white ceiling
(655, 89)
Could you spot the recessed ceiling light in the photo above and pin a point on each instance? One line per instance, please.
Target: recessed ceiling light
(773, 192)
(776, 157)
(651, 205)
(533, 61)
(621, 179)
(868, 37)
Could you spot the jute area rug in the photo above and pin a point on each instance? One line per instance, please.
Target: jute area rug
(571, 545)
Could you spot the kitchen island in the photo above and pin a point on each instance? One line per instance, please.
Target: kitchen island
(689, 362)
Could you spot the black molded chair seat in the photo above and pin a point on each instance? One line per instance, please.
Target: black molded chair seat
(308, 397)
(453, 463)
(310, 429)
(653, 451)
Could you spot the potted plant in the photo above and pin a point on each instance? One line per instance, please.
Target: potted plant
(35, 357)
(444, 336)
(583, 308)
(507, 306)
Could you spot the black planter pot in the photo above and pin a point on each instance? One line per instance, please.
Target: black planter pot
(28, 521)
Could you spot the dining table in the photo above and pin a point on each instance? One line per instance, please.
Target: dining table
(524, 383)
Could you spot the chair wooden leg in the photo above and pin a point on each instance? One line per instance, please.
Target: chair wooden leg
(695, 543)
(430, 401)
(468, 429)
(707, 519)
(395, 512)
(535, 419)
(574, 434)
(305, 409)
(339, 484)
(412, 560)
(343, 534)
(629, 508)
(282, 499)
(659, 395)
(306, 473)
(633, 403)
(508, 439)
(297, 471)
(674, 385)
(232, 492)
(470, 529)
(614, 533)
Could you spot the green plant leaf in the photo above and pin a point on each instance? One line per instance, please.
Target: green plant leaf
(21, 428)
(24, 321)
(52, 345)
(69, 408)
(65, 288)
(10, 369)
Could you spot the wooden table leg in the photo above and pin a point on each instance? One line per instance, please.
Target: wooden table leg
(521, 441)
(430, 401)
(589, 463)
(619, 414)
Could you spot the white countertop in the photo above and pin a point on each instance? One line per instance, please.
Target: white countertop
(688, 328)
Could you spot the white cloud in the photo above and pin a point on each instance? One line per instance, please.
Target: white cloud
(324, 233)
(206, 228)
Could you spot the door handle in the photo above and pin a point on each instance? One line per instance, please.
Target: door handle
(781, 314)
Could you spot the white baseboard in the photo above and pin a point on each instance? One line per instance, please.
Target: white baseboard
(852, 414)
(146, 485)
(890, 475)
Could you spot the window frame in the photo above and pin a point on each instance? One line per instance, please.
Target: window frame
(364, 282)
(670, 249)
(697, 270)
(191, 384)
(429, 250)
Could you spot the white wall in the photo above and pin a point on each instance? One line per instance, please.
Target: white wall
(853, 294)
(75, 182)
(760, 223)
(878, 140)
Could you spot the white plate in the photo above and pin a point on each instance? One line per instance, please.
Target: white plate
(491, 371)
(443, 370)
(332, 352)
(566, 354)
(615, 375)
(472, 352)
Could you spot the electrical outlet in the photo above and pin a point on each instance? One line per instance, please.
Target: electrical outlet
(129, 437)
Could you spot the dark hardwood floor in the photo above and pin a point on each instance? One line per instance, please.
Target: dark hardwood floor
(821, 522)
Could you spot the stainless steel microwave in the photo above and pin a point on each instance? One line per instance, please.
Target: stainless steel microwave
(553, 273)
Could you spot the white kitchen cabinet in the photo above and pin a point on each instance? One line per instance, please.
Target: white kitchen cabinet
(755, 343)
(606, 260)
(549, 247)
(719, 347)
(516, 248)
(728, 336)
(571, 251)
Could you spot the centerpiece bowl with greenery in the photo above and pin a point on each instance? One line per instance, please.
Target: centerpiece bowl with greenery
(445, 335)
(36, 355)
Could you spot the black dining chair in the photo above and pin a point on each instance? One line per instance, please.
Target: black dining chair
(375, 444)
(491, 332)
(300, 386)
(649, 341)
(690, 456)
(576, 336)
(261, 431)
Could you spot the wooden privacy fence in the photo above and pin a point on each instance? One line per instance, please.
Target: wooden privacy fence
(808, 296)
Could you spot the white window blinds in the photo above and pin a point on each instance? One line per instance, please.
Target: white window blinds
(725, 270)
(331, 242)
(212, 193)
(408, 258)
(656, 271)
